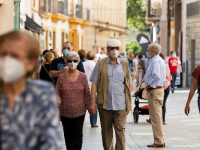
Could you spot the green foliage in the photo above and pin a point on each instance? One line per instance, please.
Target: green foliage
(136, 15)
(133, 46)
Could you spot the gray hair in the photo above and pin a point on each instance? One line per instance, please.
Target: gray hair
(156, 47)
(71, 54)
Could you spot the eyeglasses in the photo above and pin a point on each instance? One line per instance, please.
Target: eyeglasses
(112, 48)
(70, 61)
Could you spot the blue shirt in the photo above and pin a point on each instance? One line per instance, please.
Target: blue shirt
(156, 72)
(59, 63)
(34, 122)
(116, 89)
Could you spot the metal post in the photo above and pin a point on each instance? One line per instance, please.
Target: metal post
(168, 26)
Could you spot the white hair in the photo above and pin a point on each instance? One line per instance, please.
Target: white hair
(71, 54)
(156, 47)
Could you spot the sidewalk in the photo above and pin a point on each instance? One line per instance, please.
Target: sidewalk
(180, 133)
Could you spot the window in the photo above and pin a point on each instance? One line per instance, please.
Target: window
(16, 15)
(49, 6)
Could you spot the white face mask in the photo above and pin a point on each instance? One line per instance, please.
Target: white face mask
(114, 53)
(11, 69)
(72, 65)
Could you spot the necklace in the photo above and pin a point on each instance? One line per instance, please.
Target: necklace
(71, 76)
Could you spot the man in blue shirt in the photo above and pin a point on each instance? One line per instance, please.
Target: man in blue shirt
(58, 65)
(155, 80)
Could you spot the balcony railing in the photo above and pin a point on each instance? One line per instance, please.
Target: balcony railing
(154, 10)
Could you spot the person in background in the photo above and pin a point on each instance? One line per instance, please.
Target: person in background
(133, 69)
(112, 77)
(166, 88)
(74, 99)
(44, 73)
(195, 85)
(141, 69)
(82, 53)
(101, 54)
(89, 65)
(155, 80)
(122, 56)
(40, 62)
(56, 55)
(28, 107)
(95, 58)
(173, 63)
(58, 65)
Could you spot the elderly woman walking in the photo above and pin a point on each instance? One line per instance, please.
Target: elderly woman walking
(74, 99)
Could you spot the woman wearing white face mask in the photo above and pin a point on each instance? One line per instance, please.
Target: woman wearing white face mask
(74, 99)
(26, 106)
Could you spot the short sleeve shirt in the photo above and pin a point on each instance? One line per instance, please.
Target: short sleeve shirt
(59, 63)
(196, 73)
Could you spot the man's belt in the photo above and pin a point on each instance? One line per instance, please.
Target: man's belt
(158, 87)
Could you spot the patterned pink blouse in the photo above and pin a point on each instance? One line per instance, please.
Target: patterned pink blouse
(74, 95)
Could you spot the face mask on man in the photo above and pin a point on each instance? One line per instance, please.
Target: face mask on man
(174, 55)
(11, 69)
(148, 56)
(114, 53)
(65, 51)
(72, 65)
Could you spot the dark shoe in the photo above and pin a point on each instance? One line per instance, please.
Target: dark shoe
(148, 120)
(157, 145)
(164, 123)
(172, 91)
(94, 126)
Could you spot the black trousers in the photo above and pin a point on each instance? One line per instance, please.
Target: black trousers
(73, 132)
(166, 93)
(174, 75)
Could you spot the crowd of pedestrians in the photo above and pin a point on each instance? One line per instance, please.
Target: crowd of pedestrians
(76, 83)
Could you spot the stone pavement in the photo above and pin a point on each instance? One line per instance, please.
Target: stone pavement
(180, 133)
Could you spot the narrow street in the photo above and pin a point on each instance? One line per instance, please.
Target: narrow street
(180, 133)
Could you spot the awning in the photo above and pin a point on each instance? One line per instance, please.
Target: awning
(33, 26)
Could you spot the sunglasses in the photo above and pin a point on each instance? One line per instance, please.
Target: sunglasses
(70, 61)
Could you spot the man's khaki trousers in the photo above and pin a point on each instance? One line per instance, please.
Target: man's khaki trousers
(110, 119)
(155, 101)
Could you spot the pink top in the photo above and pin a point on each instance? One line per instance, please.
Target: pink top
(168, 78)
(74, 95)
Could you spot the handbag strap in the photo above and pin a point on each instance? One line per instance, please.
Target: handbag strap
(48, 73)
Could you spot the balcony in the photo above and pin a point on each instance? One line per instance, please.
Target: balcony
(154, 10)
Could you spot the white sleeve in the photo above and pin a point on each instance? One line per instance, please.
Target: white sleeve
(179, 62)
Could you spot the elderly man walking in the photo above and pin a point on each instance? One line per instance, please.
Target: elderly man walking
(111, 80)
(155, 80)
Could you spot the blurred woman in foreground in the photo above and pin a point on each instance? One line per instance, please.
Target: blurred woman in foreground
(28, 110)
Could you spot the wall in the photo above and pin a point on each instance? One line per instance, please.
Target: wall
(6, 13)
(192, 28)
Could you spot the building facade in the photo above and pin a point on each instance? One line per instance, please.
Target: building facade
(108, 20)
(63, 21)
(6, 16)
(157, 17)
